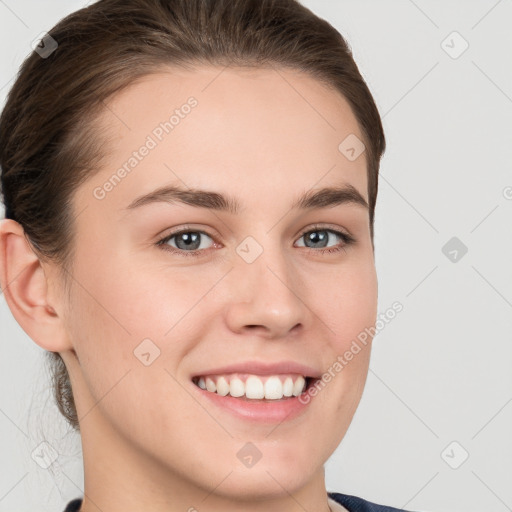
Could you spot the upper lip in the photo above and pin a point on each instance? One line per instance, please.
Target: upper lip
(262, 368)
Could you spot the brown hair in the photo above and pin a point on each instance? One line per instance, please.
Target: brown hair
(49, 143)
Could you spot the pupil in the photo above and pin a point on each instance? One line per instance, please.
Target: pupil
(189, 239)
(315, 238)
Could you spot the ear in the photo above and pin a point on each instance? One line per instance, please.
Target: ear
(25, 287)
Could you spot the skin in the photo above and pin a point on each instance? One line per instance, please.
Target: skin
(264, 137)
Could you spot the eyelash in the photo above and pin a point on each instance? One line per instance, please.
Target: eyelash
(346, 238)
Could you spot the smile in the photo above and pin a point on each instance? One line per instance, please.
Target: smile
(257, 398)
(254, 387)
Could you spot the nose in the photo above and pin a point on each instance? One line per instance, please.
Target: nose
(267, 297)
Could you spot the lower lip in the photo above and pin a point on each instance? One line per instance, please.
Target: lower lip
(272, 411)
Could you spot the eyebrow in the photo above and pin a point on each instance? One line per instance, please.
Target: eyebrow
(326, 197)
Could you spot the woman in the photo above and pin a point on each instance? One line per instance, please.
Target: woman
(189, 189)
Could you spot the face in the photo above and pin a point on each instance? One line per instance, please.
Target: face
(270, 283)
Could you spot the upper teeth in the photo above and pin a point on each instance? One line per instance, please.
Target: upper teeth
(272, 387)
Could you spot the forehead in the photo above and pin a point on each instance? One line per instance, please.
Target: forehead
(248, 130)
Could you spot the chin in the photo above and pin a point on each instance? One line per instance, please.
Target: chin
(265, 482)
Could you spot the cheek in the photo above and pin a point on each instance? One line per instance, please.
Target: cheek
(126, 315)
(149, 298)
(114, 325)
(347, 296)
(349, 309)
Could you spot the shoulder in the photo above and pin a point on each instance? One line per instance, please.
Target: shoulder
(352, 503)
(73, 505)
(356, 504)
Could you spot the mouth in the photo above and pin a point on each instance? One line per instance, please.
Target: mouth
(256, 388)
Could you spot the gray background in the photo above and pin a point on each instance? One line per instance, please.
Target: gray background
(440, 382)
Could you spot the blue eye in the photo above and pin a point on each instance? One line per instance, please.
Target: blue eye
(188, 241)
(314, 237)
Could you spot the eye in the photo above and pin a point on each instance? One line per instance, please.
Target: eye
(320, 236)
(189, 242)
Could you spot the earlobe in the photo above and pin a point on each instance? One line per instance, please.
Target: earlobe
(25, 288)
